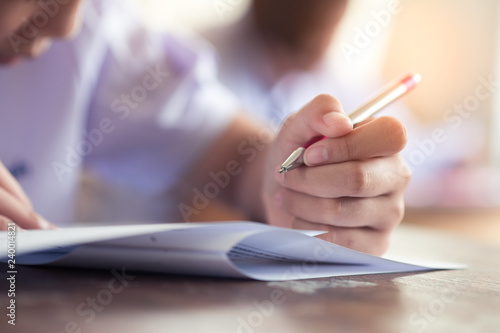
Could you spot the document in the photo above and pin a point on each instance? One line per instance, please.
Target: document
(239, 249)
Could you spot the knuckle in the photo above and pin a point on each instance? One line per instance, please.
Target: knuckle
(398, 172)
(405, 170)
(396, 215)
(399, 211)
(358, 180)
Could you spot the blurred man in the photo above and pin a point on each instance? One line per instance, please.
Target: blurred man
(144, 112)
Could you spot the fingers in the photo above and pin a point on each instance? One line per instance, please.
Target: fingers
(354, 180)
(13, 209)
(382, 136)
(323, 116)
(4, 223)
(367, 178)
(381, 213)
(9, 184)
(15, 205)
(366, 240)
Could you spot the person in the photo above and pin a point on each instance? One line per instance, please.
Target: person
(281, 53)
(143, 111)
(274, 58)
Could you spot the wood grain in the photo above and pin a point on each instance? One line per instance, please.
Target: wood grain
(53, 299)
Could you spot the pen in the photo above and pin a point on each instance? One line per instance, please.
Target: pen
(388, 95)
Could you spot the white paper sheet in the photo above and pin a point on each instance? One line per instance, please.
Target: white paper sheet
(225, 249)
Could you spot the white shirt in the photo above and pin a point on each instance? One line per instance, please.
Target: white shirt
(244, 69)
(132, 107)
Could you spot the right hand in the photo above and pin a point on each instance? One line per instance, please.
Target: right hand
(352, 188)
(15, 205)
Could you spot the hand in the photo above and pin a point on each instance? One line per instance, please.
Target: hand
(354, 181)
(15, 205)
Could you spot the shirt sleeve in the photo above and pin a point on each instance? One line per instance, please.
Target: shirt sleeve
(156, 108)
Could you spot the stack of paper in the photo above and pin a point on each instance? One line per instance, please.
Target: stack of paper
(225, 249)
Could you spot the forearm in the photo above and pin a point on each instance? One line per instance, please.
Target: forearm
(250, 152)
(247, 190)
(229, 176)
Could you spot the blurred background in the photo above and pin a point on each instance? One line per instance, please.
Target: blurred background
(278, 54)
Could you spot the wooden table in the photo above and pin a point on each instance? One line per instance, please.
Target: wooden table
(481, 224)
(53, 300)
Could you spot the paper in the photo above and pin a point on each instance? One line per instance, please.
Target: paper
(223, 249)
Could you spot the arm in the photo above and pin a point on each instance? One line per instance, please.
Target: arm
(234, 163)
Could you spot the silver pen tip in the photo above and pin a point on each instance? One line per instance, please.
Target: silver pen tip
(282, 170)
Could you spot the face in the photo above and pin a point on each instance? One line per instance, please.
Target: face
(27, 26)
(296, 22)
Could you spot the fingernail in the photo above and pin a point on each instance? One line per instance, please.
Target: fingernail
(316, 155)
(333, 118)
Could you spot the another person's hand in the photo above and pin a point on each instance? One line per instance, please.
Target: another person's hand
(15, 205)
(353, 183)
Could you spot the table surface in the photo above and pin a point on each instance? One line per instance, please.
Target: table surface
(55, 300)
(481, 224)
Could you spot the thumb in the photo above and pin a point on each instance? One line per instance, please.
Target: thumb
(323, 116)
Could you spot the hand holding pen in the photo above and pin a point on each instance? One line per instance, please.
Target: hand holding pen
(388, 95)
(352, 182)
